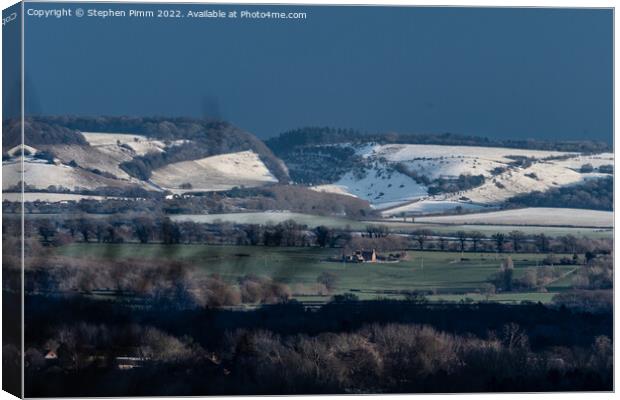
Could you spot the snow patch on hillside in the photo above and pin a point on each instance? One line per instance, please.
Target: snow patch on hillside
(430, 207)
(380, 185)
(43, 175)
(504, 178)
(540, 176)
(139, 145)
(333, 188)
(103, 158)
(216, 173)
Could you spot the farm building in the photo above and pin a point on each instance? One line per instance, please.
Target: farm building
(361, 256)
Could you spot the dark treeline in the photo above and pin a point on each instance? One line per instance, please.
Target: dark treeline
(442, 185)
(130, 192)
(595, 194)
(311, 136)
(320, 164)
(152, 228)
(463, 182)
(38, 132)
(144, 227)
(512, 242)
(343, 347)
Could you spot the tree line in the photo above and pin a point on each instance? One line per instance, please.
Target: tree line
(145, 228)
(344, 347)
(594, 194)
(313, 136)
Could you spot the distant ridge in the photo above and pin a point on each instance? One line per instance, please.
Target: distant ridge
(208, 137)
(312, 136)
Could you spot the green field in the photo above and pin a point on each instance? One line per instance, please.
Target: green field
(451, 276)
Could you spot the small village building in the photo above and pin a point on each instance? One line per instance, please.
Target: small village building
(361, 256)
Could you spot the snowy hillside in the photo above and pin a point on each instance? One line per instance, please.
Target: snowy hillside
(138, 144)
(380, 185)
(78, 167)
(41, 175)
(507, 172)
(221, 172)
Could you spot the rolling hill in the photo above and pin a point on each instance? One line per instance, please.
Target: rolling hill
(399, 175)
(410, 178)
(78, 153)
(409, 174)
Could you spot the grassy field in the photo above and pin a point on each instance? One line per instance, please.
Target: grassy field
(451, 275)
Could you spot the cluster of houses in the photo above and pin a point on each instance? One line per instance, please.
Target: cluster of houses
(361, 256)
(369, 256)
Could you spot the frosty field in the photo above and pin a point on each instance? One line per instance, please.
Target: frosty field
(531, 216)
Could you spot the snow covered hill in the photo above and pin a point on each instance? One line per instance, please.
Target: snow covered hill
(221, 172)
(42, 175)
(97, 164)
(380, 184)
(396, 177)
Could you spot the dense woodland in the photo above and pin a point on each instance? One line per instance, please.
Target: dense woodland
(320, 164)
(343, 347)
(38, 131)
(595, 194)
(290, 141)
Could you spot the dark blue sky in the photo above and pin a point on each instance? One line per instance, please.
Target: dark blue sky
(518, 73)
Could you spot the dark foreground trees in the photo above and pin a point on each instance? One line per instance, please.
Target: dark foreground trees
(287, 350)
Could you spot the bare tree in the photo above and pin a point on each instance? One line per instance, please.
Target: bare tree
(462, 236)
(476, 237)
(542, 242)
(143, 228)
(421, 236)
(516, 237)
(323, 235)
(499, 239)
(328, 279)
